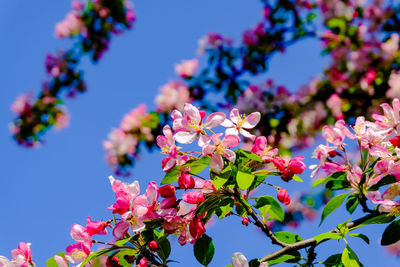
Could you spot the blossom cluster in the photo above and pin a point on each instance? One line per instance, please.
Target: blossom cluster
(91, 25)
(110, 17)
(379, 140)
(123, 143)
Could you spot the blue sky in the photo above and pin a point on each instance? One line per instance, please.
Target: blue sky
(44, 191)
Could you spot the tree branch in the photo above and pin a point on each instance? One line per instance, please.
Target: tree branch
(257, 221)
(312, 242)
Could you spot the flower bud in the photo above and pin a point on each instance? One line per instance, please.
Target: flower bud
(167, 191)
(143, 262)
(186, 181)
(153, 245)
(193, 197)
(395, 141)
(245, 221)
(196, 228)
(283, 196)
(239, 260)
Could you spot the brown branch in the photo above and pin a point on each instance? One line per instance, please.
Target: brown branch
(259, 223)
(311, 242)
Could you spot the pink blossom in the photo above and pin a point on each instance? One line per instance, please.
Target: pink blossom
(77, 253)
(196, 228)
(220, 148)
(133, 120)
(125, 193)
(71, 25)
(167, 144)
(283, 196)
(96, 228)
(172, 96)
(239, 122)
(394, 85)
(262, 149)
(187, 68)
(22, 104)
(60, 261)
(131, 219)
(194, 197)
(191, 126)
(185, 181)
(81, 235)
(335, 103)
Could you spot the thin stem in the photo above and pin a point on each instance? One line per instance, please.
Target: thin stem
(259, 223)
(312, 242)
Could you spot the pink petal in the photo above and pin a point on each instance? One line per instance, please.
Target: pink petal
(215, 119)
(247, 134)
(227, 123)
(185, 137)
(60, 261)
(231, 141)
(229, 155)
(208, 149)
(204, 140)
(252, 120)
(194, 197)
(193, 113)
(216, 163)
(121, 229)
(231, 131)
(152, 192)
(234, 115)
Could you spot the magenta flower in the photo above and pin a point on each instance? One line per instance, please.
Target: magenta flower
(239, 122)
(77, 253)
(167, 144)
(21, 257)
(96, 228)
(124, 193)
(190, 126)
(262, 149)
(219, 149)
(194, 197)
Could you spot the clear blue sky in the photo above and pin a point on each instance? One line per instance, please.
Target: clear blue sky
(44, 191)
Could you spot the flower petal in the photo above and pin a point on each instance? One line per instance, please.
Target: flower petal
(252, 120)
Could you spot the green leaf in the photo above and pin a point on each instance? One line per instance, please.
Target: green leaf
(391, 234)
(337, 23)
(383, 218)
(363, 237)
(52, 262)
(324, 236)
(352, 203)
(244, 180)
(388, 179)
(170, 177)
(349, 258)
(165, 247)
(204, 249)
(219, 180)
(297, 179)
(198, 165)
(334, 261)
(293, 256)
(337, 184)
(340, 175)
(288, 237)
(249, 155)
(332, 205)
(268, 204)
(225, 206)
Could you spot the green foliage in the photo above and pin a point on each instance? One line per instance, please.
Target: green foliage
(388, 179)
(334, 261)
(288, 237)
(225, 206)
(244, 180)
(171, 176)
(293, 256)
(269, 205)
(325, 236)
(352, 203)
(391, 234)
(349, 258)
(204, 249)
(220, 179)
(332, 205)
(340, 175)
(363, 237)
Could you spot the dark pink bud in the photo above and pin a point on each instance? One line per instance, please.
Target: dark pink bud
(167, 191)
(296, 165)
(143, 262)
(186, 181)
(395, 141)
(245, 221)
(196, 228)
(279, 163)
(283, 196)
(153, 245)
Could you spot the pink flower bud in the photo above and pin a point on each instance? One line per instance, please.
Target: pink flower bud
(196, 228)
(153, 245)
(167, 191)
(193, 197)
(245, 221)
(186, 181)
(283, 196)
(143, 262)
(395, 141)
(296, 165)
